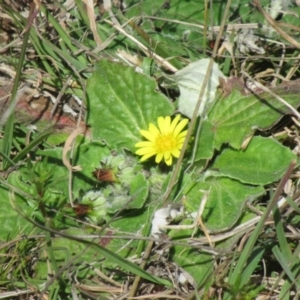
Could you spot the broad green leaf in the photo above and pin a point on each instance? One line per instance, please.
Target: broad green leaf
(121, 103)
(205, 145)
(225, 201)
(135, 223)
(237, 117)
(197, 264)
(262, 162)
(12, 224)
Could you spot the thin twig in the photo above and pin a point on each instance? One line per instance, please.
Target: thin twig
(148, 51)
(193, 120)
(137, 279)
(58, 98)
(267, 90)
(273, 23)
(228, 27)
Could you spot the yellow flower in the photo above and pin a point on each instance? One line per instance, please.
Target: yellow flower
(165, 141)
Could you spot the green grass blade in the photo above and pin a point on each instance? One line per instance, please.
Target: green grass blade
(234, 277)
(284, 246)
(20, 22)
(82, 12)
(293, 205)
(43, 57)
(113, 257)
(8, 117)
(252, 263)
(11, 162)
(33, 144)
(288, 285)
(63, 35)
(283, 262)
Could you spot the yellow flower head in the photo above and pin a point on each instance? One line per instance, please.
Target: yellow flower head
(165, 141)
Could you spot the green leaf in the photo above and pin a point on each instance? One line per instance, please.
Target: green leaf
(133, 221)
(64, 250)
(252, 263)
(123, 102)
(264, 161)
(205, 145)
(225, 201)
(12, 224)
(30, 183)
(198, 265)
(237, 117)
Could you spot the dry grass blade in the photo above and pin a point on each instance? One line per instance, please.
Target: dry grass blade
(273, 23)
(106, 71)
(265, 89)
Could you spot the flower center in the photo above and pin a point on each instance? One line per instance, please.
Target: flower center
(165, 143)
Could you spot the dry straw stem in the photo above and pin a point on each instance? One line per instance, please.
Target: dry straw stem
(177, 167)
(293, 69)
(91, 14)
(68, 146)
(58, 98)
(68, 264)
(137, 279)
(223, 236)
(193, 120)
(274, 24)
(265, 89)
(161, 61)
(228, 27)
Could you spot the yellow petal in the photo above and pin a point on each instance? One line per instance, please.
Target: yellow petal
(158, 158)
(146, 150)
(144, 144)
(179, 146)
(180, 126)
(167, 155)
(180, 141)
(164, 124)
(174, 123)
(182, 134)
(169, 161)
(148, 135)
(154, 130)
(175, 153)
(145, 157)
